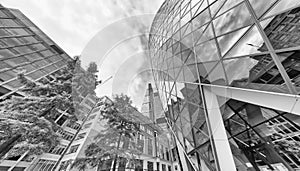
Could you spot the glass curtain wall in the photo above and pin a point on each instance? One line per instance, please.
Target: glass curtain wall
(206, 54)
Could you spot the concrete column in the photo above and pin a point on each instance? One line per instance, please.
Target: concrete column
(222, 151)
(145, 165)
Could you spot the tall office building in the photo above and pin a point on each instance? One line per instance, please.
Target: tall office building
(152, 108)
(227, 73)
(25, 48)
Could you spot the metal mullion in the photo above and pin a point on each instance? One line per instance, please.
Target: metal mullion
(185, 7)
(12, 18)
(261, 137)
(196, 127)
(17, 89)
(236, 43)
(180, 71)
(29, 53)
(5, 82)
(26, 63)
(274, 56)
(210, 132)
(275, 14)
(28, 44)
(16, 36)
(44, 165)
(216, 41)
(274, 117)
(201, 3)
(228, 9)
(11, 27)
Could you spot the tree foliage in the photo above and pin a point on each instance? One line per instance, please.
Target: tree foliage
(30, 120)
(117, 140)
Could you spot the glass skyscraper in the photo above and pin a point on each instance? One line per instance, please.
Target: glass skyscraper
(228, 76)
(25, 48)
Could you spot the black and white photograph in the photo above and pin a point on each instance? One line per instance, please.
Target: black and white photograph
(149, 85)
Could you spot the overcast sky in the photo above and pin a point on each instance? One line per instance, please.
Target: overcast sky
(104, 31)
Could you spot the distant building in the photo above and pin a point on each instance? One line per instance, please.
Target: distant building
(152, 108)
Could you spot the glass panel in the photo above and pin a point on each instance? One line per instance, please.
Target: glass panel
(227, 41)
(55, 58)
(19, 60)
(250, 43)
(36, 75)
(217, 75)
(188, 41)
(11, 41)
(4, 65)
(257, 72)
(205, 33)
(260, 7)
(201, 19)
(235, 18)
(18, 31)
(28, 39)
(282, 6)
(291, 63)
(204, 68)
(282, 30)
(5, 53)
(2, 14)
(215, 6)
(271, 134)
(189, 73)
(186, 124)
(227, 6)
(23, 49)
(198, 6)
(15, 84)
(207, 51)
(8, 22)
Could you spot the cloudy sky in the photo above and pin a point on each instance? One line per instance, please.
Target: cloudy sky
(107, 32)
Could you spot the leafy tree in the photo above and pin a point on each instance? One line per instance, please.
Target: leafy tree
(29, 121)
(121, 128)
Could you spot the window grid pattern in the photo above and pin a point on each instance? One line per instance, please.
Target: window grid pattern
(246, 44)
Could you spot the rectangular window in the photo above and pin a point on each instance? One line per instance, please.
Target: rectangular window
(167, 153)
(75, 126)
(150, 166)
(62, 120)
(57, 149)
(80, 136)
(44, 165)
(91, 117)
(87, 125)
(150, 149)
(96, 110)
(73, 148)
(163, 167)
(89, 102)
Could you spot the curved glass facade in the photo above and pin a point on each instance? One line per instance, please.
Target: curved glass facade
(228, 76)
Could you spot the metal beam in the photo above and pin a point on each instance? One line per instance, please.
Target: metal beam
(278, 101)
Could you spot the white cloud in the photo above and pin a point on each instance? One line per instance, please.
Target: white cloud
(73, 23)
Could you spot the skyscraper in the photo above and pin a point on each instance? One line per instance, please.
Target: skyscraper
(24, 48)
(227, 75)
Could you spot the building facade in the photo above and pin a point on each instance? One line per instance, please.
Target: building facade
(227, 73)
(25, 48)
